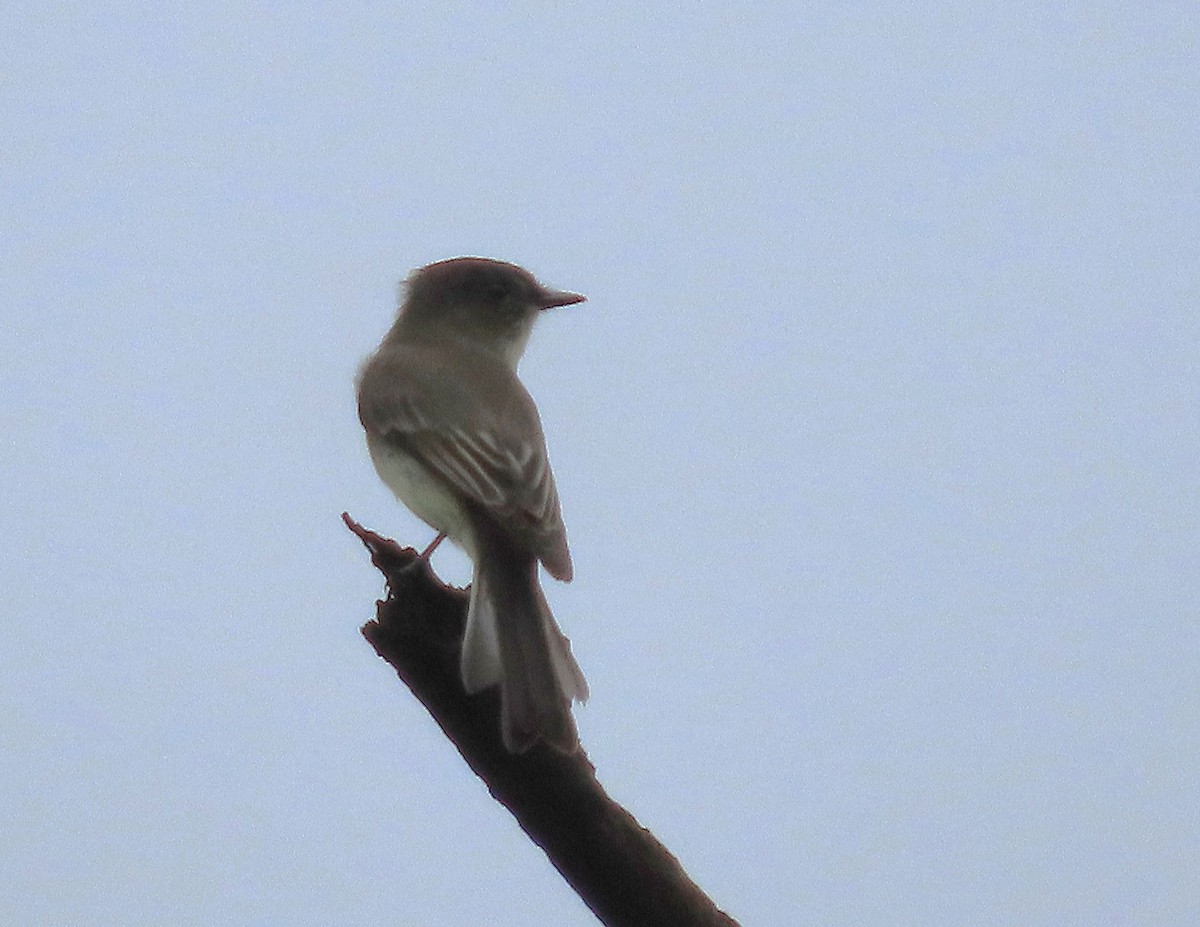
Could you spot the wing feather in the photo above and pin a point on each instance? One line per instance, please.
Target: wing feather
(492, 453)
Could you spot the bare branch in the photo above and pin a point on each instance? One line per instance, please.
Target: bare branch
(618, 867)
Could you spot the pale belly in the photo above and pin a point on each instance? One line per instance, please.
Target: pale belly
(425, 496)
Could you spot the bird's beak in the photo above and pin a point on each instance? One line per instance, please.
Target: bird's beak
(551, 298)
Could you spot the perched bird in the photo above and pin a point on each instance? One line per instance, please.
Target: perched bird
(457, 438)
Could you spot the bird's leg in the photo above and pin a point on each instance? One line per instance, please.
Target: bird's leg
(423, 556)
(433, 545)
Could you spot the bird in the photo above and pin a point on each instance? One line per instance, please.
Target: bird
(453, 432)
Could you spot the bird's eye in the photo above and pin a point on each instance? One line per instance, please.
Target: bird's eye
(495, 292)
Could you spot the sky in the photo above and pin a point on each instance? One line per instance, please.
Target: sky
(877, 442)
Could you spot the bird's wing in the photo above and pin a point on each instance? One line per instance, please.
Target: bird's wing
(487, 444)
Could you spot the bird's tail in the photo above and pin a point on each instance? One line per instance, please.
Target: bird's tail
(513, 640)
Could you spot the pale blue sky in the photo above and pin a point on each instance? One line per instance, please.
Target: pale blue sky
(878, 444)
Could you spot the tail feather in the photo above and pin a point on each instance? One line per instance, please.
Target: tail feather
(481, 650)
(566, 670)
(512, 639)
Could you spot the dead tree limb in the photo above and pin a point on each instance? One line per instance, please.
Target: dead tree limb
(618, 867)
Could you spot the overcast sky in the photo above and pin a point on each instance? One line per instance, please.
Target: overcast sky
(878, 441)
